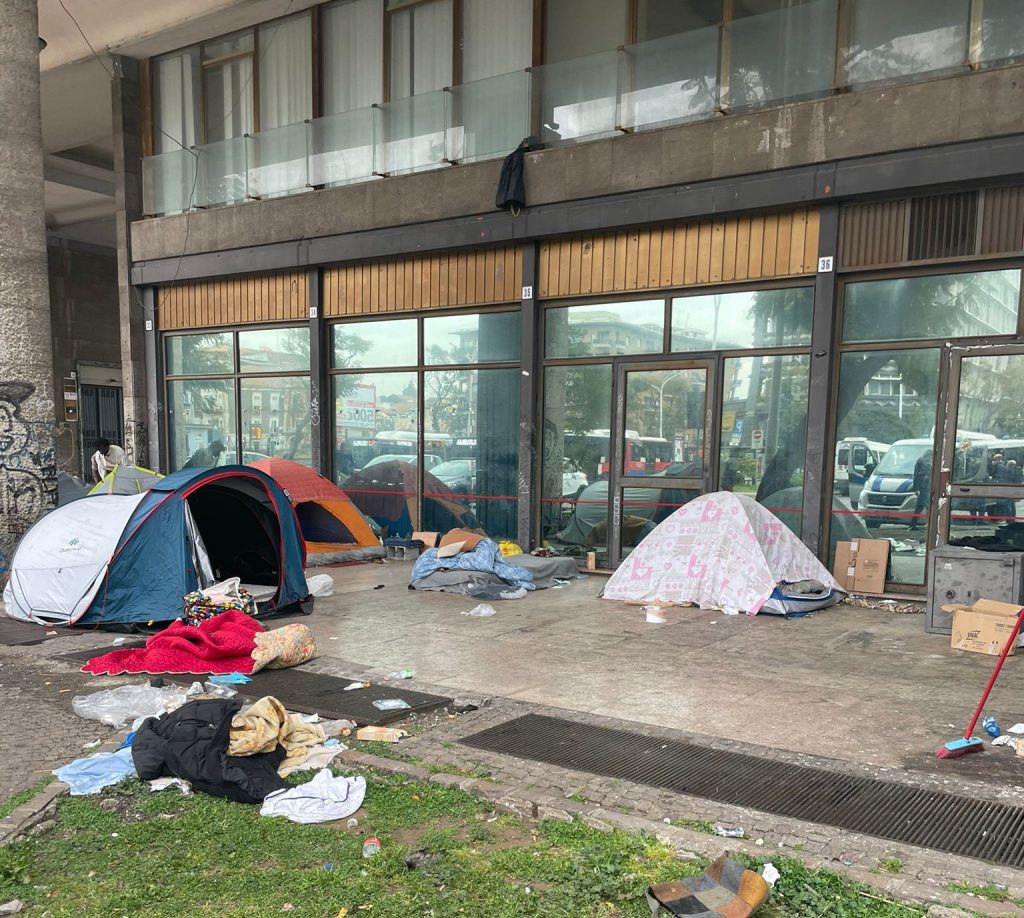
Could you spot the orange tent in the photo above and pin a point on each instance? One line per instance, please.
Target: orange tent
(333, 527)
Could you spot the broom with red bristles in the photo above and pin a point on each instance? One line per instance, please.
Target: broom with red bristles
(958, 747)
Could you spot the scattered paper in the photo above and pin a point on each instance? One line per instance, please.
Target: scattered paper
(159, 784)
(654, 616)
(93, 744)
(770, 873)
(1005, 740)
(117, 642)
(1016, 728)
(352, 686)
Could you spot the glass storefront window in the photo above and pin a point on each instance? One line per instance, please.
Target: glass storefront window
(269, 350)
(990, 420)
(575, 455)
(201, 423)
(388, 343)
(375, 446)
(906, 39)
(474, 415)
(200, 355)
(755, 318)
(889, 398)
(665, 421)
(605, 329)
(937, 306)
(275, 419)
(764, 423)
(471, 338)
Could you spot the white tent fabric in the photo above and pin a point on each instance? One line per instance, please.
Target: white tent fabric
(719, 551)
(61, 561)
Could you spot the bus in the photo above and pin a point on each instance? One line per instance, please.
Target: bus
(643, 455)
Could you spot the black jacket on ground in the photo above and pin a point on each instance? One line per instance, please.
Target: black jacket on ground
(191, 743)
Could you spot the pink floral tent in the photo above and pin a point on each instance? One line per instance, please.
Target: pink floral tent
(724, 551)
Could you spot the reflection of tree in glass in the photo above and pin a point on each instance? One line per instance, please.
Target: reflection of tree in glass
(348, 348)
(933, 307)
(446, 393)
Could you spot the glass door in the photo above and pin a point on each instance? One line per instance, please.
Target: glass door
(662, 440)
(982, 437)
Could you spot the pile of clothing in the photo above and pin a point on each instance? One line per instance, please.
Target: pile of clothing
(471, 564)
(219, 747)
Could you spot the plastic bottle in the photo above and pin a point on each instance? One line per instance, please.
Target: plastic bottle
(990, 726)
(371, 846)
(401, 674)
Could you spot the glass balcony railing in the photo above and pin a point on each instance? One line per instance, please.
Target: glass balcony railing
(669, 80)
(488, 117)
(280, 161)
(223, 172)
(578, 98)
(783, 56)
(341, 148)
(412, 133)
(169, 182)
(769, 59)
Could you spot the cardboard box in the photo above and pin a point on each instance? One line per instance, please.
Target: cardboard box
(468, 539)
(429, 539)
(984, 627)
(861, 565)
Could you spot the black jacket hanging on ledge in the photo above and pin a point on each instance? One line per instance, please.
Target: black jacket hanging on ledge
(511, 193)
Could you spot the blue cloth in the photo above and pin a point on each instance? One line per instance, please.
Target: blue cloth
(485, 556)
(94, 772)
(229, 679)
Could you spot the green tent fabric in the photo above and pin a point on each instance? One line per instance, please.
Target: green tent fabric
(126, 479)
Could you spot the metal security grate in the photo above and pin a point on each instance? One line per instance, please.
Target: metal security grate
(886, 809)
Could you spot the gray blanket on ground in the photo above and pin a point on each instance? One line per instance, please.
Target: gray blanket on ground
(481, 584)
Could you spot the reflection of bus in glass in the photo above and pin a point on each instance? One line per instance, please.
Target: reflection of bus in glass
(589, 452)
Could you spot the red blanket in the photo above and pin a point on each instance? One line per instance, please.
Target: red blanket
(222, 644)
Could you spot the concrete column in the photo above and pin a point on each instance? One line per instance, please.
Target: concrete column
(28, 468)
(127, 112)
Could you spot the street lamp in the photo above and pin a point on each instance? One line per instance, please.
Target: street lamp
(661, 401)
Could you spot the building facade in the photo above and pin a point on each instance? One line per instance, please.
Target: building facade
(753, 228)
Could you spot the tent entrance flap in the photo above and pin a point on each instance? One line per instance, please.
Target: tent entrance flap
(318, 524)
(240, 529)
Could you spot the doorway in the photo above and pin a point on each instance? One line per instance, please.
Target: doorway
(663, 438)
(101, 415)
(981, 438)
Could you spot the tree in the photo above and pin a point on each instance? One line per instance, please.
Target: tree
(907, 308)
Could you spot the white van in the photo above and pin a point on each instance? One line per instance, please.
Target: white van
(889, 489)
(856, 458)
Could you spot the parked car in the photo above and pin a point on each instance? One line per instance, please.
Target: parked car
(430, 460)
(457, 474)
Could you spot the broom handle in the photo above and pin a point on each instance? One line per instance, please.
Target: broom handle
(995, 673)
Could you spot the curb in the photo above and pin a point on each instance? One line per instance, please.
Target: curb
(36, 815)
(687, 843)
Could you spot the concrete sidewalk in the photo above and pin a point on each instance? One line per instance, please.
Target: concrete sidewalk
(862, 685)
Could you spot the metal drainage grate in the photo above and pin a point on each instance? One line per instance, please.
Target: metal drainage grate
(898, 812)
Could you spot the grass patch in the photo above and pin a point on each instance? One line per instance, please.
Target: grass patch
(891, 865)
(163, 855)
(984, 891)
(10, 805)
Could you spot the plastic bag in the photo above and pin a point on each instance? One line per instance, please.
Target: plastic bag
(481, 611)
(221, 597)
(126, 703)
(320, 585)
(391, 704)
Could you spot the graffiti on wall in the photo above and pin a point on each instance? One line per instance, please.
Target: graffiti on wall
(136, 442)
(28, 466)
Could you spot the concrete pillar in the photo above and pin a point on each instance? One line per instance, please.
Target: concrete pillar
(127, 112)
(28, 468)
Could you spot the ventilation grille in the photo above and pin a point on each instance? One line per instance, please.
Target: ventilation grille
(943, 226)
(927, 228)
(1002, 226)
(872, 234)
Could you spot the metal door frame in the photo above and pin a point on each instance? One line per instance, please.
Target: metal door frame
(943, 487)
(712, 398)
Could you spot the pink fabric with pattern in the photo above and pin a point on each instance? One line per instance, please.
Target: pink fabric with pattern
(720, 551)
